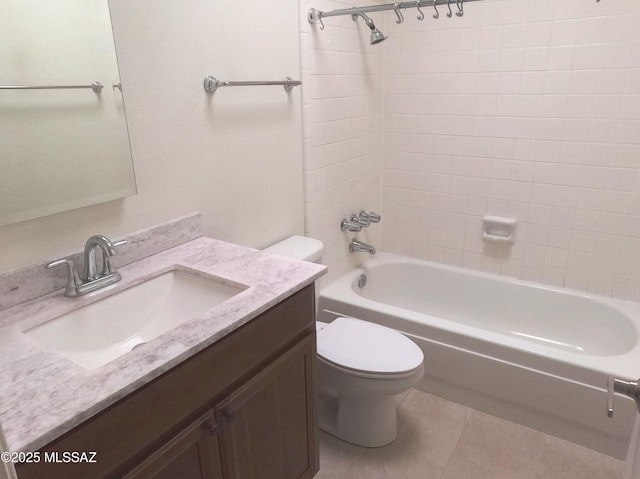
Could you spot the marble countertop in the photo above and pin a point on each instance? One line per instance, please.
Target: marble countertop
(44, 395)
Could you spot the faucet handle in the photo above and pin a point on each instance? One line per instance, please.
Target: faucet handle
(346, 225)
(360, 221)
(119, 243)
(372, 217)
(363, 217)
(73, 281)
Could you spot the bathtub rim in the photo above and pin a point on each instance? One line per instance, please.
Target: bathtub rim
(593, 367)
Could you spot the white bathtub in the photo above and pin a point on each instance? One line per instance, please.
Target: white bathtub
(533, 354)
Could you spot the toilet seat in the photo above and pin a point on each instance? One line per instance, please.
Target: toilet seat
(364, 349)
(357, 373)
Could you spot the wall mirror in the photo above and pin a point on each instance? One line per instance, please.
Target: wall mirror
(61, 148)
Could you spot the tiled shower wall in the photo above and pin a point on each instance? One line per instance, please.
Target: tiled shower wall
(525, 109)
(342, 130)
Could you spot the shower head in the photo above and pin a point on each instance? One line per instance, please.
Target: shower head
(376, 35)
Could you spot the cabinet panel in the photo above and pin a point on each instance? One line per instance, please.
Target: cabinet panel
(263, 423)
(192, 454)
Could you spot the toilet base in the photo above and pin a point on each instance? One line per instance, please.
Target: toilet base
(363, 421)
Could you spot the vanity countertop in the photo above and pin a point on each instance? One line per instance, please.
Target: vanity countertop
(43, 395)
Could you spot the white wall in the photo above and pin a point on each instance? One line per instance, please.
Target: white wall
(235, 156)
(523, 109)
(342, 125)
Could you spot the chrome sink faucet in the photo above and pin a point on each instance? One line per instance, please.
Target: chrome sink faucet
(92, 278)
(90, 265)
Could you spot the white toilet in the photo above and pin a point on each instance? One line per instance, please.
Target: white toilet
(363, 368)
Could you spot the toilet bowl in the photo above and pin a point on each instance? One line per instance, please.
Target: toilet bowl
(364, 369)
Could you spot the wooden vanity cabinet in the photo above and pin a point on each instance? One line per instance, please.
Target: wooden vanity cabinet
(240, 409)
(264, 425)
(192, 454)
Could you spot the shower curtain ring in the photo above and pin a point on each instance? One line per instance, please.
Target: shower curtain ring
(450, 13)
(435, 7)
(396, 8)
(421, 15)
(460, 11)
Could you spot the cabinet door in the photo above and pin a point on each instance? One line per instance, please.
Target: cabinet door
(192, 454)
(267, 427)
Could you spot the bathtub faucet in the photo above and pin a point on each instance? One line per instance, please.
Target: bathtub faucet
(356, 246)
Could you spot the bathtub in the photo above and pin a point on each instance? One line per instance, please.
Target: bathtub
(533, 354)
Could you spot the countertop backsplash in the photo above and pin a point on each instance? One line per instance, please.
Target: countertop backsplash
(34, 281)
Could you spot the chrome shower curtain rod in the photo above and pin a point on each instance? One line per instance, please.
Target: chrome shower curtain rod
(314, 15)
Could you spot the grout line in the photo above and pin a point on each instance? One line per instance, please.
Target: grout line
(469, 413)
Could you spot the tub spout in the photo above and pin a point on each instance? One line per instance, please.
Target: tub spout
(356, 246)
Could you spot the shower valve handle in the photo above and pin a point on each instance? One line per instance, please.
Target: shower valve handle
(346, 225)
(630, 388)
(363, 222)
(372, 217)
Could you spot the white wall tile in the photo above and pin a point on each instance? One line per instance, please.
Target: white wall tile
(545, 125)
(343, 118)
(523, 108)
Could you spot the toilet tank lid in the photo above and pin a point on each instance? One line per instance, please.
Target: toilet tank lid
(300, 247)
(368, 347)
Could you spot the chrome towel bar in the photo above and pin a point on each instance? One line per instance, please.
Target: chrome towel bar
(211, 84)
(95, 86)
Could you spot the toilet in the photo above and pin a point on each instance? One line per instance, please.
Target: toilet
(364, 369)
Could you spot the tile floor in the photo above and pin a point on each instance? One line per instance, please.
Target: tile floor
(439, 439)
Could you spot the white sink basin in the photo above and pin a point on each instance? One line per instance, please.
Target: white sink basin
(105, 330)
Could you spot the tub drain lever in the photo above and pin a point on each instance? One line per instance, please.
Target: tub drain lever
(630, 388)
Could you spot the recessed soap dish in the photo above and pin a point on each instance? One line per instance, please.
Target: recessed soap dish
(498, 228)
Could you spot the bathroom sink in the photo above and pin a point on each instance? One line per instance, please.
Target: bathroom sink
(100, 332)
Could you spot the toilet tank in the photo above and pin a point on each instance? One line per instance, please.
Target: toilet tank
(299, 247)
